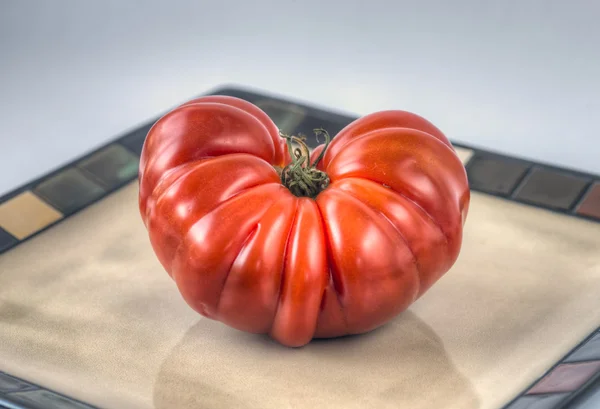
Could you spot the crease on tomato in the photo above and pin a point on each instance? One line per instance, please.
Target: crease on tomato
(258, 283)
(424, 236)
(304, 279)
(416, 205)
(165, 183)
(449, 183)
(194, 166)
(390, 288)
(166, 228)
(335, 280)
(197, 162)
(253, 232)
(225, 203)
(283, 265)
(185, 272)
(400, 234)
(337, 287)
(412, 202)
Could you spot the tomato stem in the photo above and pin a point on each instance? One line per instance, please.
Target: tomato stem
(301, 176)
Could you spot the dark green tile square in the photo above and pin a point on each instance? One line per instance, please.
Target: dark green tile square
(495, 174)
(134, 141)
(6, 240)
(43, 399)
(286, 116)
(112, 166)
(69, 190)
(552, 189)
(10, 384)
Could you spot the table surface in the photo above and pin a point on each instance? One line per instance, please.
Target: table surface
(520, 77)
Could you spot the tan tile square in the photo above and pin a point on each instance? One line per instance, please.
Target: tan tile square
(463, 154)
(26, 214)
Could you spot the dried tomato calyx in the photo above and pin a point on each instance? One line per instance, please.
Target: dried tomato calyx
(301, 176)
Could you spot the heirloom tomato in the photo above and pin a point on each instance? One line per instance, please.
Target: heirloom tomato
(267, 237)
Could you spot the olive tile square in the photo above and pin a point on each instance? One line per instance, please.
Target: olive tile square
(566, 377)
(287, 117)
(6, 240)
(539, 402)
(26, 214)
(590, 205)
(495, 174)
(69, 190)
(551, 189)
(589, 351)
(112, 166)
(134, 140)
(43, 399)
(10, 384)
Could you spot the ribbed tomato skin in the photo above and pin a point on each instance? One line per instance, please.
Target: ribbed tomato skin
(242, 249)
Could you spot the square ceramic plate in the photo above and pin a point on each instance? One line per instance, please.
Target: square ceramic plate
(88, 318)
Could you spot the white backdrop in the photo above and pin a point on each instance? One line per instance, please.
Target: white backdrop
(517, 76)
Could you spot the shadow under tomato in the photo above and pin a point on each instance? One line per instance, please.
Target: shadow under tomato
(402, 364)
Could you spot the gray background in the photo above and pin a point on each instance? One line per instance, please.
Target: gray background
(521, 77)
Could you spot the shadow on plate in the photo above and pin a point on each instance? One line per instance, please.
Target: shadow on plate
(403, 364)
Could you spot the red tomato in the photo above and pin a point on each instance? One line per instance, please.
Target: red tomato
(379, 221)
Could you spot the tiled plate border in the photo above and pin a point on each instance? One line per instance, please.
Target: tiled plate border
(16, 393)
(552, 390)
